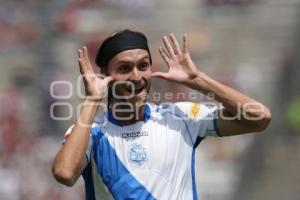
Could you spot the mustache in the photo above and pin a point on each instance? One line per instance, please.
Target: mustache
(130, 83)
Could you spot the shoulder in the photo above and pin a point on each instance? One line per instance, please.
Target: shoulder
(189, 110)
(178, 109)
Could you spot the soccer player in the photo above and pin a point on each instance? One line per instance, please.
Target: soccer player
(136, 150)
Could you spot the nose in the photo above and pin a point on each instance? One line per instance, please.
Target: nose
(135, 75)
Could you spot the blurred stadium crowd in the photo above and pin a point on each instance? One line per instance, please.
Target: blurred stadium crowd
(251, 45)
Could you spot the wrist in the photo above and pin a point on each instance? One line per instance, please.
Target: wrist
(198, 82)
(88, 111)
(91, 102)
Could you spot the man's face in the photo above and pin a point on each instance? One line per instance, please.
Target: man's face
(131, 72)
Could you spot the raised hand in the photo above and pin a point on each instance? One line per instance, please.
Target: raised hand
(181, 67)
(95, 87)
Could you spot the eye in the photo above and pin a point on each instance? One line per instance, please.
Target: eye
(143, 66)
(124, 68)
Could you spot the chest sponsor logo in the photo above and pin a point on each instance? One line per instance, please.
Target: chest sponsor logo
(137, 154)
(135, 134)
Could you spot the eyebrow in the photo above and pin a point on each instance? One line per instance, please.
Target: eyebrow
(130, 62)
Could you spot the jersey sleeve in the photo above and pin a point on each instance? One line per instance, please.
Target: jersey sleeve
(89, 148)
(205, 124)
(201, 119)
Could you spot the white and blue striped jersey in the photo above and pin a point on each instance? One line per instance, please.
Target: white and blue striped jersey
(150, 159)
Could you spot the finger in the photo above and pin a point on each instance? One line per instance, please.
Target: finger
(168, 46)
(185, 44)
(164, 55)
(108, 79)
(82, 67)
(175, 43)
(80, 53)
(165, 52)
(86, 58)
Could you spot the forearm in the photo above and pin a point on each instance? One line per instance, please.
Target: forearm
(245, 114)
(234, 102)
(71, 158)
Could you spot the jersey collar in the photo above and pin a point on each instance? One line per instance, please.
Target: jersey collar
(147, 115)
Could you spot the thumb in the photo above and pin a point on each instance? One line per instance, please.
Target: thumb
(108, 79)
(162, 75)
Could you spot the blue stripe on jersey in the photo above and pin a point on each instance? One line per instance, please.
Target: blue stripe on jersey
(147, 112)
(88, 182)
(195, 197)
(198, 141)
(120, 182)
(195, 144)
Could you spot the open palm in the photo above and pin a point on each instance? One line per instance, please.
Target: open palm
(181, 67)
(95, 87)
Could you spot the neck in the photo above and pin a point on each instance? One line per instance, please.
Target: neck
(128, 113)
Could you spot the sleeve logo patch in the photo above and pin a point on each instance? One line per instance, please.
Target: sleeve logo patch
(194, 110)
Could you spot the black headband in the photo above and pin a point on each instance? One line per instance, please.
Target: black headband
(121, 41)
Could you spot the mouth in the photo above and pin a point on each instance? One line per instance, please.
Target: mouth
(137, 90)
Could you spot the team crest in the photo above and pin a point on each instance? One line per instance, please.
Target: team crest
(195, 110)
(137, 154)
